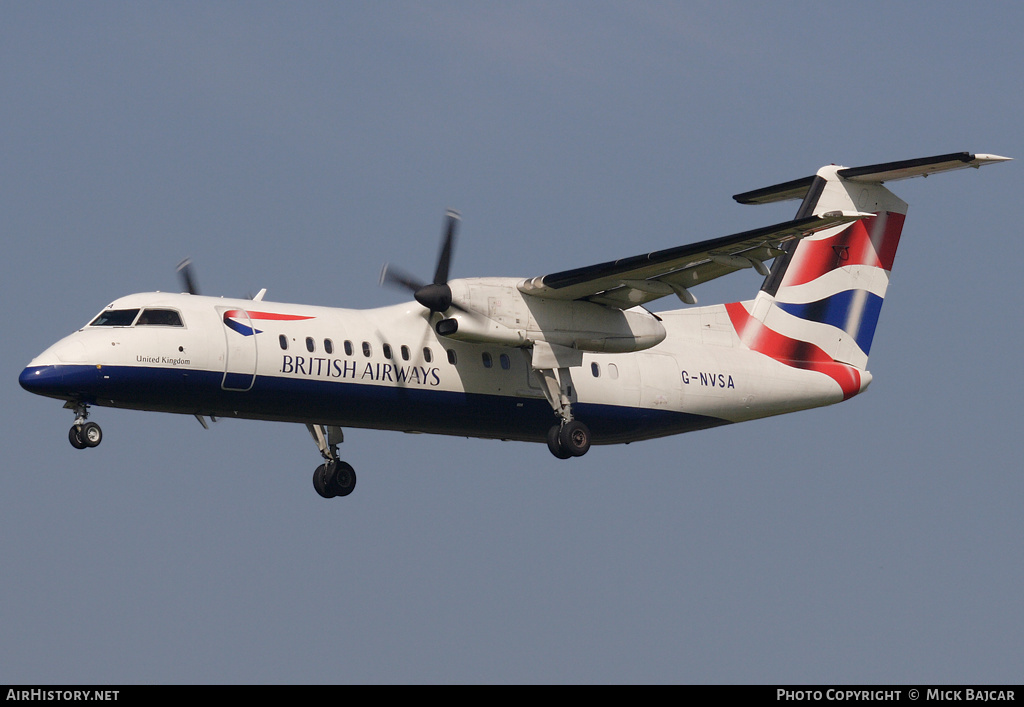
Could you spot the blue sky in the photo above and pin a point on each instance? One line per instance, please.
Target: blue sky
(299, 146)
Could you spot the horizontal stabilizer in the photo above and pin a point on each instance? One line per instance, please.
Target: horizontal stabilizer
(876, 173)
(892, 171)
(795, 189)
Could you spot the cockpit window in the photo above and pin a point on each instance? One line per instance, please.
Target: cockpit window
(115, 317)
(159, 317)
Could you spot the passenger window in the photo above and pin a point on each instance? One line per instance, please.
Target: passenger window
(428, 355)
(405, 352)
(115, 317)
(487, 359)
(366, 349)
(452, 357)
(596, 370)
(283, 341)
(348, 347)
(613, 371)
(328, 346)
(506, 363)
(310, 344)
(159, 317)
(387, 351)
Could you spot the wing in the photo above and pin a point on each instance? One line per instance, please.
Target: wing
(634, 281)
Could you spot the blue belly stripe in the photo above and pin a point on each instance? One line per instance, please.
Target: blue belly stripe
(348, 404)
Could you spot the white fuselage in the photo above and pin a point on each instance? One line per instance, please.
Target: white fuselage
(387, 368)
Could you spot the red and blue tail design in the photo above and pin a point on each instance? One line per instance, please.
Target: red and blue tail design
(792, 352)
(819, 306)
(840, 280)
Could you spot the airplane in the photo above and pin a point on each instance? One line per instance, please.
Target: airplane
(570, 359)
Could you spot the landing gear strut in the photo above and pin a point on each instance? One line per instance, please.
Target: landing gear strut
(334, 477)
(570, 437)
(83, 434)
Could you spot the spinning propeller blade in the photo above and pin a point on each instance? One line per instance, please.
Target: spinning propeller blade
(187, 277)
(444, 259)
(392, 275)
(188, 281)
(437, 296)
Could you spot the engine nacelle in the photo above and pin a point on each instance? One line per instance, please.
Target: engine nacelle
(503, 315)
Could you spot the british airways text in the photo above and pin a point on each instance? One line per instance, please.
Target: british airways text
(341, 368)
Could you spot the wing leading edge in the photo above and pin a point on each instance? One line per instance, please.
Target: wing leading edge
(640, 279)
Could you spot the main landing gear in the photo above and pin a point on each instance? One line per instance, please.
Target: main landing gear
(571, 438)
(334, 477)
(568, 438)
(83, 434)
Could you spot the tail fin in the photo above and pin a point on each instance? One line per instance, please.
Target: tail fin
(820, 303)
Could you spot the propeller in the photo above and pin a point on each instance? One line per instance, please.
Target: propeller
(437, 295)
(188, 279)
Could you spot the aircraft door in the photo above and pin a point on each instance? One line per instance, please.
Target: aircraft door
(240, 350)
(660, 383)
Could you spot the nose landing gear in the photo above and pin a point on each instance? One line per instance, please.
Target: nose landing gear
(83, 434)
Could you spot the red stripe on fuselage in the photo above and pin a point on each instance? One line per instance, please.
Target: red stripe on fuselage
(266, 315)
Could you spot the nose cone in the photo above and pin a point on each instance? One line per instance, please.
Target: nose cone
(42, 380)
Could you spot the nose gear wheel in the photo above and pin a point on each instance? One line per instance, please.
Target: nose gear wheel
(83, 434)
